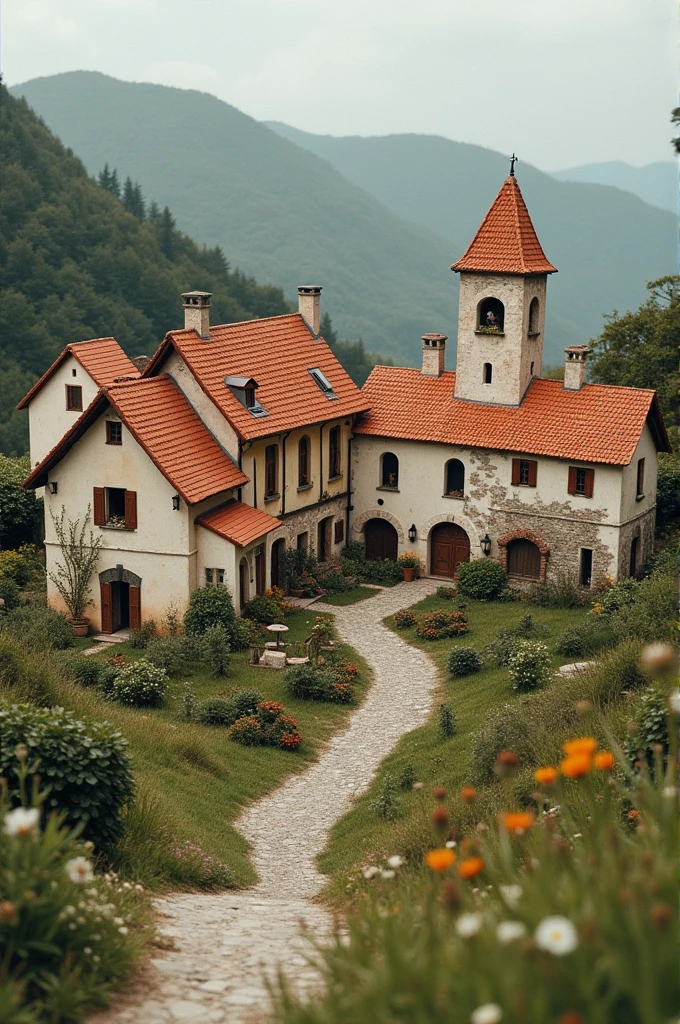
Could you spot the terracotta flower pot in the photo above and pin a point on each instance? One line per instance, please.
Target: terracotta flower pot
(79, 627)
(409, 575)
(296, 593)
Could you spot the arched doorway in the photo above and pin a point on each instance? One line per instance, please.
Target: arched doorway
(633, 561)
(120, 596)
(278, 547)
(324, 540)
(524, 559)
(450, 545)
(381, 539)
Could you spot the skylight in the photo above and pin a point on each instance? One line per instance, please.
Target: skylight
(323, 382)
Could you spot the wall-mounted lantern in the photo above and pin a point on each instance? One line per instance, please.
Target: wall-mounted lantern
(52, 486)
(485, 544)
(175, 502)
(412, 533)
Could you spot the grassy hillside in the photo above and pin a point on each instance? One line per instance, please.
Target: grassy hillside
(656, 183)
(280, 213)
(605, 242)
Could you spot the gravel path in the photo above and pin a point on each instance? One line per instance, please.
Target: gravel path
(226, 943)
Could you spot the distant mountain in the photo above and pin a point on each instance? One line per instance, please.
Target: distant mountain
(656, 184)
(606, 243)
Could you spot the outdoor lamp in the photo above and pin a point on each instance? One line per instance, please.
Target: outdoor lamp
(52, 486)
(412, 533)
(485, 544)
(175, 502)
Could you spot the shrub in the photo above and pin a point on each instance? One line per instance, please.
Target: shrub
(88, 671)
(267, 608)
(19, 509)
(38, 628)
(507, 595)
(447, 721)
(353, 551)
(306, 682)
(405, 619)
(529, 665)
(507, 729)
(216, 650)
(215, 711)
(247, 731)
(210, 606)
(440, 624)
(385, 573)
(245, 701)
(481, 580)
(445, 593)
(168, 653)
(139, 638)
(13, 567)
(385, 805)
(140, 684)
(617, 672)
(650, 615)
(501, 649)
(85, 765)
(246, 634)
(11, 661)
(333, 577)
(9, 594)
(463, 661)
(560, 592)
(651, 718)
(587, 638)
(407, 776)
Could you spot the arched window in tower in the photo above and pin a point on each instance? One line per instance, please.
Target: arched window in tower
(490, 316)
(534, 309)
(487, 373)
(389, 476)
(454, 479)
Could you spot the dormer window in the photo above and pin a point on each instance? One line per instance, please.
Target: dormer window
(250, 397)
(322, 381)
(244, 389)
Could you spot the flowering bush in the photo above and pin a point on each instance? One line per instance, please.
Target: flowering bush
(267, 726)
(266, 608)
(439, 624)
(140, 684)
(481, 580)
(248, 731)
(529, 665)
(405, 619)
(463, 661)
(309, 682)
(409, 560)
(203, 869)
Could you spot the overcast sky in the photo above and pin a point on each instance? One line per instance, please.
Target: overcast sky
(562, 82)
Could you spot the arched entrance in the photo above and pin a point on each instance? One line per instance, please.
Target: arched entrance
(524, 559)
(450, 545)
(278, 547)
(381, 539)
(120, 597)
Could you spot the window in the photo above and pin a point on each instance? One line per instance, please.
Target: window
(74, 398)
(243, 389)
(214, 577)
(524, 472)
(250, 397)
(490, 316)
(531, 369)
(323, 383)
(271, 471)
(303, 541)
(304, 475)
(73, 373)
(334, 464)
(633, 563)
(208, 577)
(339, 534)
(533, 316)
(115, 507)
(487, 373)
(581, 481)
(640, 493)
(114, 432)
(524, 560)
(586, 568)
(390, 471)
(454, 484)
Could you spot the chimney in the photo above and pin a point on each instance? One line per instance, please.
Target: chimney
(141, 362)
(434, 347)
(197, 312)
(575, 367)
(309, 306)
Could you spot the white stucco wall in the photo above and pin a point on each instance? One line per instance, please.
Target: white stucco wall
(48, 417)
(204, 406)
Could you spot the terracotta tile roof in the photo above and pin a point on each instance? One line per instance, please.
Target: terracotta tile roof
(506, 242)
(278, 352)
(102, 358)
(239, 523)
(166, 426)
(600, 423)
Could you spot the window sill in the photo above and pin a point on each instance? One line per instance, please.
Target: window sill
(114, 444)
(639, 497)
(454, 497)
(394, 490)
(523, 485)
(272, 497)
(490, 334)
(533, 334)
(108, 526)
(305, 487)
(332, 479)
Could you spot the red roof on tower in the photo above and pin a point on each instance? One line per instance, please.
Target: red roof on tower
(506, 242)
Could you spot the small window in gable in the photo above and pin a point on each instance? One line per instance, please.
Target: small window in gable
(74, 373)
(74, 398)
(487, 374)
(322, 381)
(114, 432)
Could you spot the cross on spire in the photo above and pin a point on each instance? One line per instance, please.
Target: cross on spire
(513, 161)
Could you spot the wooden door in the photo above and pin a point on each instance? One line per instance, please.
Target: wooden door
(135, 607)
(106, 606)
(450, 547)
(524, 560)
(382, 540)
(277, 552)
(323, 548)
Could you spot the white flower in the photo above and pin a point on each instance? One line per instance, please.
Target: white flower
(87, 950)
(468, 925)
(510, 931)
(123, 930)
(489, 1013)
(79, 870)
(556, 935)
(22, 821)
(395, 862)
(674, 701)
(451, 844)
(370, 872)
(512, 894)
(387, 874)
(669, 792)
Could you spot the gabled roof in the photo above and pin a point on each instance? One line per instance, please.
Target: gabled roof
(278, 352)
(506, 242)
(102, 358)
(239, 523)
(600, 423)
(166, 426)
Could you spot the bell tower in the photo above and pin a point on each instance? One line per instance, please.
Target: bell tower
(501, 315)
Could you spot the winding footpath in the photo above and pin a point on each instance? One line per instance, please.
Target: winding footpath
(226, 944)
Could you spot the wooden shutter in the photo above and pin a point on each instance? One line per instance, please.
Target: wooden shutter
(516, 470)
(339, 531)
(131, 510)
(99, 506)
(135, 605)
(589, 483)
(107, 614)
(533, 466)
(571, 486)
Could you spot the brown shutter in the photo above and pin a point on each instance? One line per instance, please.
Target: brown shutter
(131, 510)
(135, 604)
(515, 472)
(532, 472)
(589, 482)
(339, 531)
(99, 507)
(571, 486)
(107, 614)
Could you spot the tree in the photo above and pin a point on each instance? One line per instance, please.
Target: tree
(109, 180)
(19, 509)
(133, 200)
(166, 233)
(80, 555)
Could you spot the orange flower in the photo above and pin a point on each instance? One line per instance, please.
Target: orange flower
(468, 795)
(440, 817)
(633, 815)
(576, 765)
(470, 867)
(439, 793)
(546, 776)
(584, 745)
(570, 1017)
(604, 760)
(439, 860)
(517, 822)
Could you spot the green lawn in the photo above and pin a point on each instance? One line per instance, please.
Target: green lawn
(350, 596)
(361, 835)
(199, 778)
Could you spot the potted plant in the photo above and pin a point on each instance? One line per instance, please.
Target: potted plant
(409, 563)
(72, 577)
